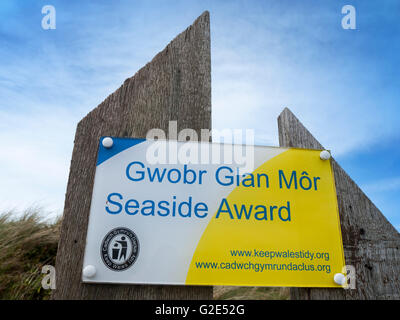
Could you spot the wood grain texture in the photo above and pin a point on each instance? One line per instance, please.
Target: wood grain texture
(175, 85)
(371, 244)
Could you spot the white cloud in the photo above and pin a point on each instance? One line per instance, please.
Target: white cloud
(35, 155)
(384, 185)
(258, 70)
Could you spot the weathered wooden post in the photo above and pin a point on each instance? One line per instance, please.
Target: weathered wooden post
(371, 244)
(175, 85)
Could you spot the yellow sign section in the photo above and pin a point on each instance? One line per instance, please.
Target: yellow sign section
(279, 227)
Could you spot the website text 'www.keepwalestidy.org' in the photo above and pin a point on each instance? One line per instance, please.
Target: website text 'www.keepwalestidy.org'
(271, 254)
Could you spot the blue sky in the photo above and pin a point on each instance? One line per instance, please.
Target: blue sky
(266, 55)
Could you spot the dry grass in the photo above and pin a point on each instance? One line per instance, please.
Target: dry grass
(26, 244)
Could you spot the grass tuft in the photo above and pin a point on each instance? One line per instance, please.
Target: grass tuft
(27, 243)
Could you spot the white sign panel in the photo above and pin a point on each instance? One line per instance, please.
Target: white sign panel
(200, 213)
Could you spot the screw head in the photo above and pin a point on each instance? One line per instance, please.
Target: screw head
(339, 278)
(107, 142)
(325, 155)
(89, 271)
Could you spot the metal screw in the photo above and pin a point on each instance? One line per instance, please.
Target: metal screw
(89, 271)
(325, 155)
(107, 142)
(339, 278)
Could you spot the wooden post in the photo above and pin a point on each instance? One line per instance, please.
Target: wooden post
(371, 244)
(175, 85)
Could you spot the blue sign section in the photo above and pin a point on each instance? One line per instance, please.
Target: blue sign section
(119, 145)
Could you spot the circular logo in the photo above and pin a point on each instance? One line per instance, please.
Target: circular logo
(119, 249)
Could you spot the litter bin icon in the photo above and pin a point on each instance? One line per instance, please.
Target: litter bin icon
(115, 252)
